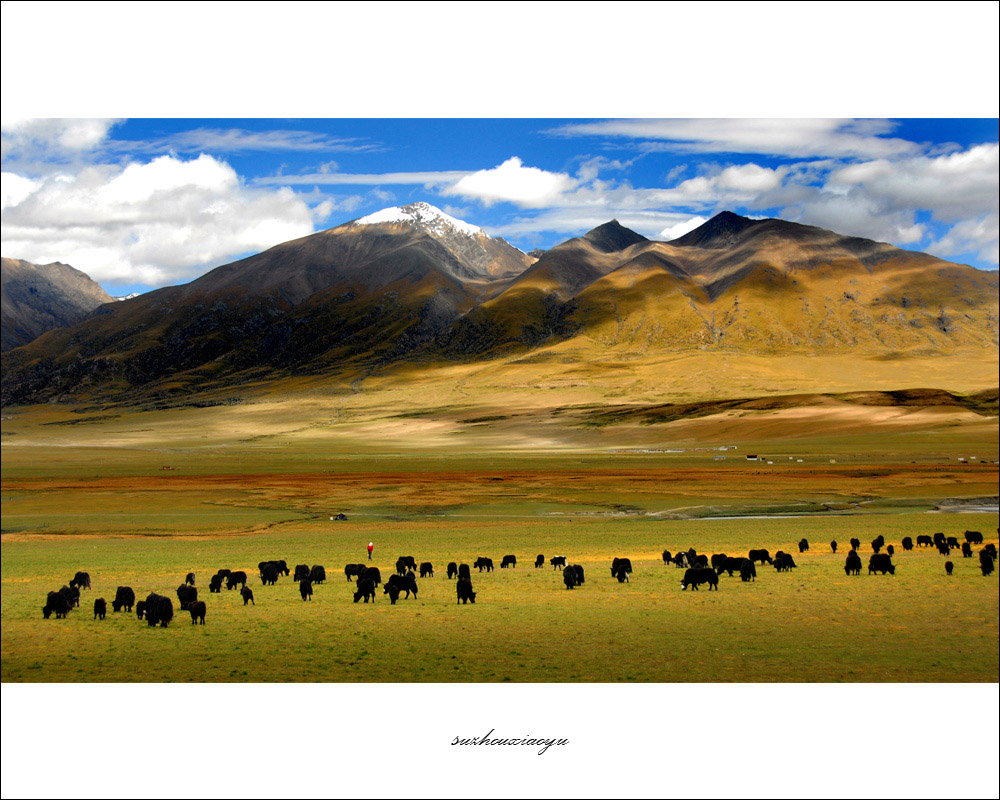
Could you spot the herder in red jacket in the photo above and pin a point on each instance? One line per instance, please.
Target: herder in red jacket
(371, 546)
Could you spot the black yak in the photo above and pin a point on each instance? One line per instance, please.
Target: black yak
(186, 595)
(365, 589)
(803, 545)
(508, 561)
(405, 583)
(306, 589)
(985, 562)
(558, 562)
(269, 574)
(881, 563)
(852, 566)
(695, 576)
(452, 570)
(855, 543)
(247, 593)
(189, 579)
(973, 537)
(763, 556)
(539, 561)
(81, 580)
(100, 608)
(949, 567)
(748, 572)
(124, 599)
(159, 610)
(215, 584)
(140, 609)
(317, 574)
(56, 603)
(302, 572)
(463, 590)
(833, 545)
(234, 579)
(464, 572)
(966, 550)
(372, 574)
(426, 570)
(907, 543)
(197, 610)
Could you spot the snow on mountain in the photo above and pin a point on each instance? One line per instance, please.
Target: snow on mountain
(423, 215)
(128, 296)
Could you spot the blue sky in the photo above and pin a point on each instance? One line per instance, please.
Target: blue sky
(140, 203)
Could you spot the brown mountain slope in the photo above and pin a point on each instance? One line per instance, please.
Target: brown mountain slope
(39, 297)
(758, 285)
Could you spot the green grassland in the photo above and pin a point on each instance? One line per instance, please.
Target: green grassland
(141, 497)
(813, 624)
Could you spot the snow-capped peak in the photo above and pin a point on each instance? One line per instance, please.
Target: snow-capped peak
(127, 296)
(424, 215)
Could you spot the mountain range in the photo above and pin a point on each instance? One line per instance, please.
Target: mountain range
(414, 285)
(40, 297)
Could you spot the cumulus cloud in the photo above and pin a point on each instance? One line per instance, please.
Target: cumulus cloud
(151, 223)
(52, 136)
(513, 182)
(680, 228)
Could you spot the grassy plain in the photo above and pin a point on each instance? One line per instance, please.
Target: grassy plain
(142, 497)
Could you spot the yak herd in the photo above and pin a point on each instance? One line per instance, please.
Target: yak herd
(699, 569)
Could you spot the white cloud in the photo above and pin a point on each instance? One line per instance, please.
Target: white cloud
(14, 188)
(238, 140)
(978, 236)
(679, 229)
(799, 138)
(20, 136)
(154, 223)
(513, 182)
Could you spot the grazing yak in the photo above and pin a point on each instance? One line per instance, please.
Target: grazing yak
(833, 545)
(124, 599)
(306, 589)
(803, 545)
(81, 580)
(992, 550)
(952, 542)
(667, 557)
(729, 564)
(985, 562)
(890, 550)
(853, 564)
(939, 539)
(681, 560)
(907, 543)
(317, 574)
(100, 608)
(876, 545)
(56, 603)
(569, 578)
(225, 573)
(923, 540)
(558, 562)
(579, 574)
(140, 609)
(452, 570)
(966, 550)
(159, 610)
(72, 594)
(855, 543)
(401, 566)
(409, 562)
(881, 563)
(350, 571)
(783, 562)
(621, 563)
(186, 595)
(426, 570)
(695, 576)
(508, 561)
(189, 579)
(943, 549)
(973, 537)
(269, 574)
(234, 579)
(539, 561)
(761, 555)
(247, 593)
(949, 567)
(464, 591)
(700, 560)
(372, 574)
(365, 589)
(215, 584)
(748, 572)
(621, 574)
(464, 573)
(302, 572)
(403, 583)
(483, 563)
(393, 592)
(197, 610)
